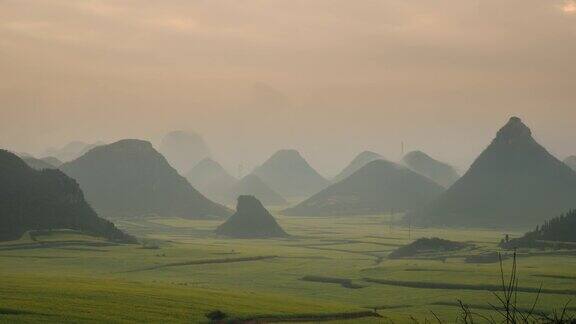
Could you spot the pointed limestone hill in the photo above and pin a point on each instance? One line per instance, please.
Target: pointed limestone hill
(251, 220)
(359, 161)
(253, 186)
(184, 150)
(571, 162)
(211, 179)
(44, 200)
(130, 178)
(440, 172)
(287, 173)
(515, 182)
(379, 187)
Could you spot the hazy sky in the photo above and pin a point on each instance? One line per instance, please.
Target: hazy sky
(328, 77)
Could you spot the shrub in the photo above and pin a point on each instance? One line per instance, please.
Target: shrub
(216, 315)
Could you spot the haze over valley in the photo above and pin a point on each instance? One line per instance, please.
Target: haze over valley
(287, 161)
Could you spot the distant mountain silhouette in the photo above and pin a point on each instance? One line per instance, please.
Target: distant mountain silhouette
(515, 182)
(442, 173)
(184, 150)
(287, 173)
(379, 187)
(253, 186)
(251, 220)
(71, 151)
(37, 164)
(52, 161)
(571, 162)
(211, 179)
(43, 200)
(359, 161)
(130, 178)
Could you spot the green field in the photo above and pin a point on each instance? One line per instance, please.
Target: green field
(330, 267)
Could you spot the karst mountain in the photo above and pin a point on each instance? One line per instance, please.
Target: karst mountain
(515, 182)
(130, 178)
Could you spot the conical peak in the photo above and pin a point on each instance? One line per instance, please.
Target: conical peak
(417, 155)
(287, 154)
(286, 158)
(207, 169)
(377, 166)
(208, 162)
(513, 130)
(124, 146)
(368, 155)
(132, 143)
(384, 164)
(248, 202)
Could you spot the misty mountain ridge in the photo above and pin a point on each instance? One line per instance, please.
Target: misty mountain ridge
(38, 164)
(251, 185)
(130, 178)
(515, 182)
(184, 150)
(356, 164)
(440, 172)
(290, 175)
(211, 179)
(71, 151)
(571, 162)
(52, 161)
(45, 200)
(379, 187)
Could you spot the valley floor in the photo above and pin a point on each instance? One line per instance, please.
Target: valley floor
(330, 269)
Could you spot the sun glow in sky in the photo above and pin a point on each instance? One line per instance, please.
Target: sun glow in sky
(327, 77)
(569, 7)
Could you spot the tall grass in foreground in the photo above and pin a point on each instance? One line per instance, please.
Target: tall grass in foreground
(507, 309)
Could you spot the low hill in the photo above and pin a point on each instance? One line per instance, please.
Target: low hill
(379, 187)
(288, 173)
(251, 220)
(515, 182)
(253, 186)
(43, 200)
(571, 162)
(130, 178)
(426, 246)
(356, 164)
(211, 179)
(440, 172)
